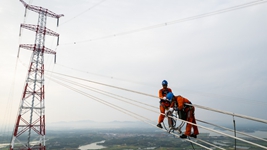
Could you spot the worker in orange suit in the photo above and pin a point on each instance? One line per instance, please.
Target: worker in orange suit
(164, 103)
(165, 90)
(189, 110)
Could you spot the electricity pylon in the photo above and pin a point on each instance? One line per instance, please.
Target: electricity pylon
(29, 129)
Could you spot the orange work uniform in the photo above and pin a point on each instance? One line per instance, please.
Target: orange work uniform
(181, 101)
(163, 92)
(163, 104)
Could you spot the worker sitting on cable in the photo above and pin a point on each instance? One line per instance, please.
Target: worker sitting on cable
(164, 91)
(164, 104)
(189, 110)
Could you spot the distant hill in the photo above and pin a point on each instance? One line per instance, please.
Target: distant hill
(87, 124)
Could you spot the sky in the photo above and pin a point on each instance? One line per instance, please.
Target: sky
(218, 61)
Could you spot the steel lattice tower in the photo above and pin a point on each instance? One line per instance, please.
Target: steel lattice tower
(29, 129)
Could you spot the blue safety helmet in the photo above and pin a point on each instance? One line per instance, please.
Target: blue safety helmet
(169, 96)
(164, 82)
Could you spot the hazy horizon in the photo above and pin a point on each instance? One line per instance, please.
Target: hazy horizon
(216, 61)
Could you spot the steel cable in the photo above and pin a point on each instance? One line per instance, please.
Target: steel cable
(85, 86)
(199, 106)
(192, 123)
(229, 113)
(83, 12)
(255, 137)
(175, 21)
(105, 84)
(117, 108)
(102, 91)
(131, 81)
(222, 133)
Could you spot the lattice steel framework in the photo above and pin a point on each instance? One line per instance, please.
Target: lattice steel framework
(29, 129)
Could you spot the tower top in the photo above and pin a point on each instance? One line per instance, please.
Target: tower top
(30, 124)
(39, 9)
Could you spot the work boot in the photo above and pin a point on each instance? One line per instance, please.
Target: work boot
(159, 125)
(183, 136)
(193, 135)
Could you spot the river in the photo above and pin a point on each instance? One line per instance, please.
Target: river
(92, 146)
(4, 145)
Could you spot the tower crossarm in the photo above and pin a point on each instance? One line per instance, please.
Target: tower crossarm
(29, 129)
(41, 10)
(36, 28)
(33, 47)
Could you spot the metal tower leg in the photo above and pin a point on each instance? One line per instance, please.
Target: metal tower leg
(29, 129)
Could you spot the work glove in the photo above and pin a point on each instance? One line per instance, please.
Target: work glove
(163, 99)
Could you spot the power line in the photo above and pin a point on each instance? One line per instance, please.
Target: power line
(106, 85)
(198, 92)
(175, 21)
(102, 91)
(255, 137)
(211, 109)
(101, 75)
(216, 131)
(194, 105)
(119, 109)
(83, 12)
(229, 113)
(109, 94)
(210, 144)
(84, 86)
(9, 105)
(124, 88)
